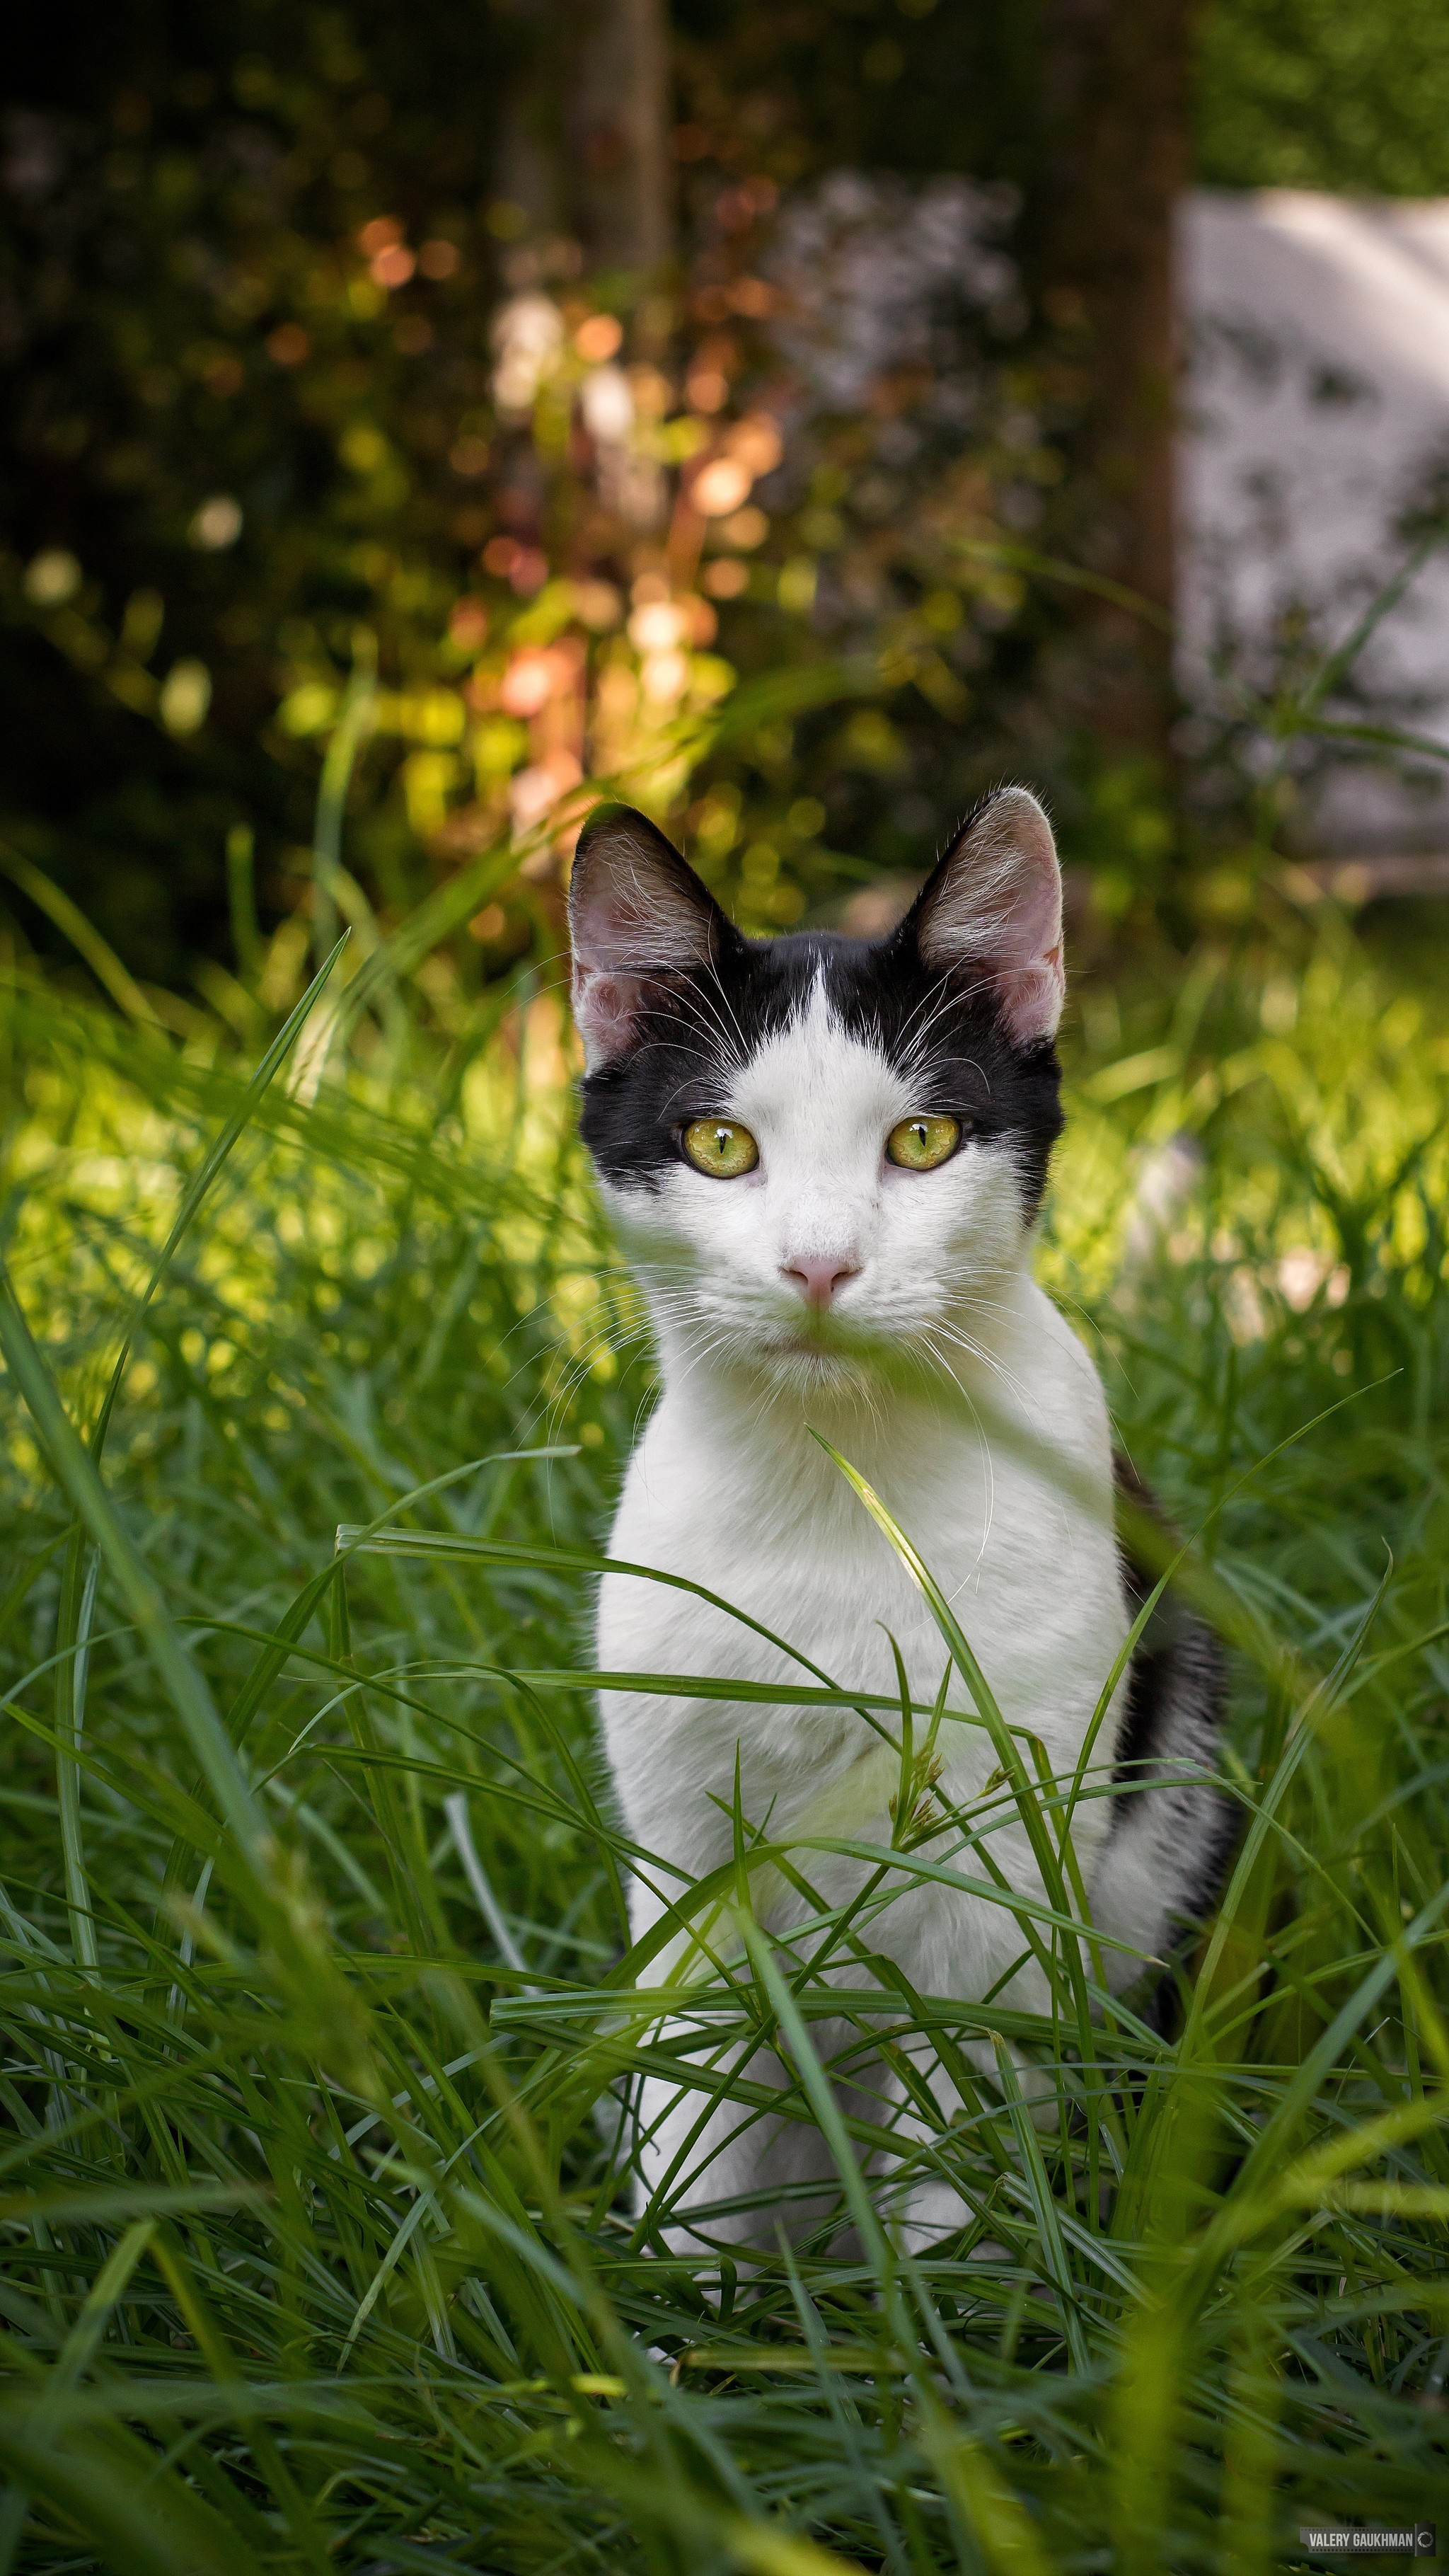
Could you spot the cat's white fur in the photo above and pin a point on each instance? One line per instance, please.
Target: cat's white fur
(728, 1488)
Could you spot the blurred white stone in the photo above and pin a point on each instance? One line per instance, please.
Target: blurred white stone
(864, 265)
(1317, 433)
(607, 403)
(1167, 1180)
(1315, 331)
(528, 338)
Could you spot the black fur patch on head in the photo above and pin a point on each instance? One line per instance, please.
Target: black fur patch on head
(944, 1027)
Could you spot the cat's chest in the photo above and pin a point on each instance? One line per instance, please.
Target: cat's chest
(798, 1553)
(811, 1565)
(1031, 1576)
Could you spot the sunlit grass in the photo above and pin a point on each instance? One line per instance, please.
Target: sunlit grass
(315, 2246)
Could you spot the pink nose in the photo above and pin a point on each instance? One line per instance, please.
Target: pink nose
(817, 1281)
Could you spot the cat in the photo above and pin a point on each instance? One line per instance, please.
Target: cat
(824, 1158)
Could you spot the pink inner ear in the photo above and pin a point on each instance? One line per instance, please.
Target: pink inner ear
(998, 907)
(618, 941)
(611, 932)
(635, 911)
(1032, 995)
(604, 1008)
(630, 919)
(1028, 928)
(1027, 942)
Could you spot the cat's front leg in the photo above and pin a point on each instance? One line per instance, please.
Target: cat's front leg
(714, 2165)
(923, 2183)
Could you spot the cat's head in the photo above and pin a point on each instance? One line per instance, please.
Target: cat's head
(819, 1149)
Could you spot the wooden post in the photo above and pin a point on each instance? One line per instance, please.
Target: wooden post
(583, 138)
(1116, 75)
(618, 123)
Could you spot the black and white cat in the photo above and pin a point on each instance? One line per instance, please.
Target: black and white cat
(824, 1157)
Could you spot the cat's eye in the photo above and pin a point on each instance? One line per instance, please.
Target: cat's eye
(721, 1146)
(919, 1144)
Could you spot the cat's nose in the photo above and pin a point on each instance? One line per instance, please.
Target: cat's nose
(817, 1281)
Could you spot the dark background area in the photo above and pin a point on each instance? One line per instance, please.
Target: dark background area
(184, 318)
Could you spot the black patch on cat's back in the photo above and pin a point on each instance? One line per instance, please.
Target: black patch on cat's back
(1170, 1731)
(700, 1024)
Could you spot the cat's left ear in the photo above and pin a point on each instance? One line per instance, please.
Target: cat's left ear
(638, 915)
(994, 904)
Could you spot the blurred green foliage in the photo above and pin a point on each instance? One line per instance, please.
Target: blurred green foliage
(251, 430)
(1335, 94)
(211, 412)
(265, 297)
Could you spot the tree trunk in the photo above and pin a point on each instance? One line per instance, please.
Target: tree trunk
(618, 122)
(530, 167)
(1117, 75)
(583, 131)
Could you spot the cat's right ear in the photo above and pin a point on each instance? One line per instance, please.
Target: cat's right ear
(993, 906)
(637, 913)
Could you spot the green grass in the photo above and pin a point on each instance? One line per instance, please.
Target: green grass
(314, 2250)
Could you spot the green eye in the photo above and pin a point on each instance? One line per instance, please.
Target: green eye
(720, 1146)
(919, 1144)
